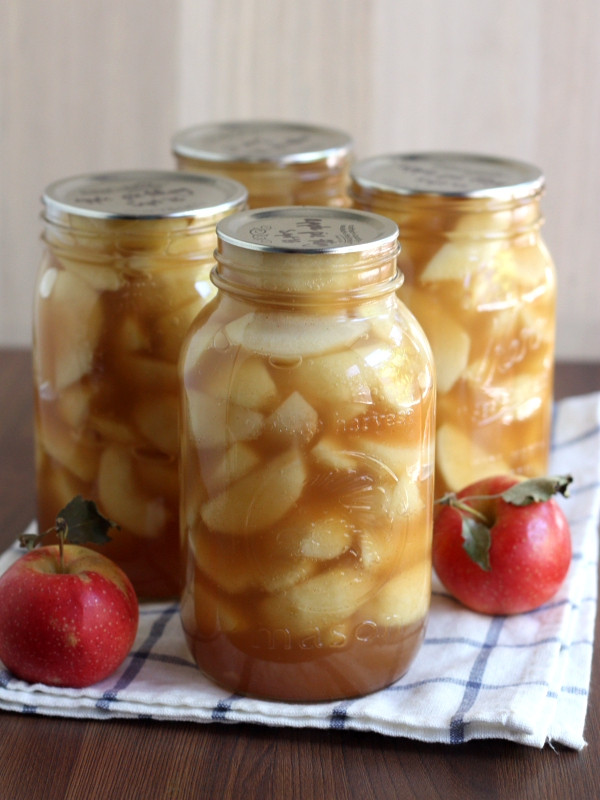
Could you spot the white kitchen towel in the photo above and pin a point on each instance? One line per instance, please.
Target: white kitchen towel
(524, 678)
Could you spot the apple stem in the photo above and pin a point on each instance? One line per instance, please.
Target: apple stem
(62, 530)
(452, 500)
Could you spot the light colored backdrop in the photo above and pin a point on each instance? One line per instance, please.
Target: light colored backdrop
(103, 84)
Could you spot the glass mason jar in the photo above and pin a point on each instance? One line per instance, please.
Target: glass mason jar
(126, 267)
(481, 282)
(280, 163)
(307, 460)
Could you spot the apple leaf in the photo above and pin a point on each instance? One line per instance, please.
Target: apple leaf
(477, 541)
(83, 523)
(79, 522)
(537, 490)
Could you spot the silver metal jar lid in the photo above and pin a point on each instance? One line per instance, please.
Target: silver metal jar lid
(261, 142)
(448, 174)
(143, 194)
(307, 229)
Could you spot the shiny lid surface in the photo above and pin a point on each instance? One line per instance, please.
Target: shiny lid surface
(143, 194)
(448, 174)
(307, 229)
(261, 141)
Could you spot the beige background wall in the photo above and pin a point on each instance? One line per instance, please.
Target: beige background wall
(102, 84)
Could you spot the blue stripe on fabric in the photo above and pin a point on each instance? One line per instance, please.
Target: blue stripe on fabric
(338, 717)
(473, 686)
(137, 658)
(577, 690)
(163, 658)
(576, 489)
(464, 682)
(581, 437)
(474, 643)
(219, 712)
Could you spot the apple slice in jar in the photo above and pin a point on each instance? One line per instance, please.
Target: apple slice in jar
(284, 335)
(294, 420)
(74, 404)
(404, 599)
(406, 498)
(76, 452)
(209, 613)
(327, 598)
(71, 345)
(337, 377)
(388, 460)
(169, 330)
(390, 374)
(101, 275)
(228, 467)
(460, 460)
(465, 252)
(260, 498)
(214, 423)
(333, 454)
(234, 569)
(389, 548)
(132, 336)
(245, 382)
(449, 341)
(121, 498)
(318, 538)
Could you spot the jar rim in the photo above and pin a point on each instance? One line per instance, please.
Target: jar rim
(261, 141)
(448, 174)
(142, 195)
(307, 230)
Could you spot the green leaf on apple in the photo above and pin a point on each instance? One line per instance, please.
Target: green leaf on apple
(537, 490)
(83, 523)
(477, 541)
(79, 522)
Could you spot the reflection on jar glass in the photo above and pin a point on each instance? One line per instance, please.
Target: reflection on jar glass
(280, 163)
(307, 460)
(481, 282)
(125, 271)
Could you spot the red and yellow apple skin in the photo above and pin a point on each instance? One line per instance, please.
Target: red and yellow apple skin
(66, 628)
(529, 554)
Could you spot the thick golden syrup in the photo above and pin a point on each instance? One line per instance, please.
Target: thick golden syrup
(107, 404)
(306, 501)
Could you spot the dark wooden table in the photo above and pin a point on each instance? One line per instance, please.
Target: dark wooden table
(62, 759)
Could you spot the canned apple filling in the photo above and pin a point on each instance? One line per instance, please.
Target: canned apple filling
(125, 271)
(307, 460)
(480, 280)
(280, 163)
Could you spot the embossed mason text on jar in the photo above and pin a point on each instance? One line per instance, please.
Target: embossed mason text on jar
(307, 460)
(125, 270)
(481, 282)
(280, 163)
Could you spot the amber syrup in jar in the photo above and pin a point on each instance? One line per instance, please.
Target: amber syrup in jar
(280, 163)
(307, 460)
(480, 280)
(124, 272)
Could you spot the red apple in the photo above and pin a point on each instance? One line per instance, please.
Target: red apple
(503, 545)
(65, 628)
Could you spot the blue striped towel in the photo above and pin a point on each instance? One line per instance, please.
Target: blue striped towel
(523, 678)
